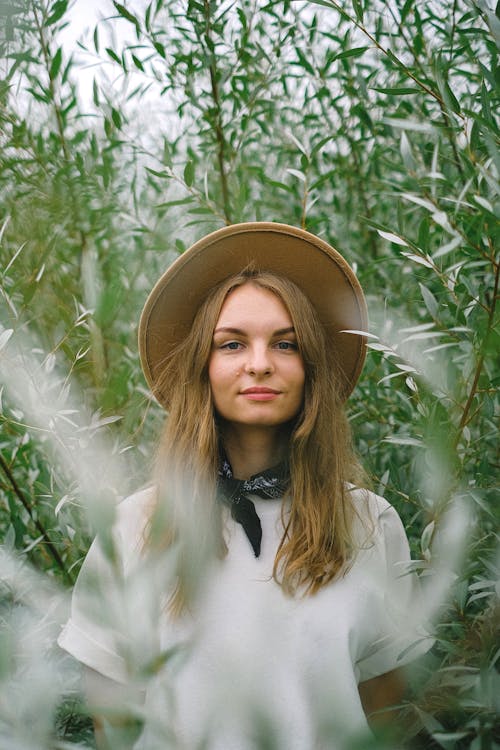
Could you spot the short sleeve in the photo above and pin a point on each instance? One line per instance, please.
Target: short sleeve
(106, 597)
(89, 635)
(401, 634)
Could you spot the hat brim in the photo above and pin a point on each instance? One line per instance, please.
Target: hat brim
(311, 263)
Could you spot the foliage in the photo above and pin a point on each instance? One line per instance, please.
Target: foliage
(372, 124)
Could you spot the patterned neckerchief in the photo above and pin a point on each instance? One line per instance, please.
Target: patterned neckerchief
(271, 483)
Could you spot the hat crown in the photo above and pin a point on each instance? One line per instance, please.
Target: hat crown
(305, 259)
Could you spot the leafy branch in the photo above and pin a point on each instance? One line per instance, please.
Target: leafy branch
(53, 551)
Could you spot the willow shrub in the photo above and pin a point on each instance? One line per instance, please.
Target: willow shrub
(372, 124)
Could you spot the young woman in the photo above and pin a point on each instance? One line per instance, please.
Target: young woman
(288, 582)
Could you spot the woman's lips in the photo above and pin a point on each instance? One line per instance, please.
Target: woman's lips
(260, 394)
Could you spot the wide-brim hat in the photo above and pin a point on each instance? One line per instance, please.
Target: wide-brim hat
(310, 262)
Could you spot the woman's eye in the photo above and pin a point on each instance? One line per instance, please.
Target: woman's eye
(287, 345)
(231, 345)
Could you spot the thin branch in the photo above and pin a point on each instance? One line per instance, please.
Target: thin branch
(38, 524)
(388, 53)
(304, 203)
(57, 109)
(219, 131)
(479, 367)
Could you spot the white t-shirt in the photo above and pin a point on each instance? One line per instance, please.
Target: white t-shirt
(249, 657)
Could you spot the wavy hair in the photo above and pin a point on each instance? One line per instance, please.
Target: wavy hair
(318, 539)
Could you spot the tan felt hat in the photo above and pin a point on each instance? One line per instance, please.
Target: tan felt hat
(315, 267)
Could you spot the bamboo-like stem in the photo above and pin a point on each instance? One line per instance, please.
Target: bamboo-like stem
(38, 524)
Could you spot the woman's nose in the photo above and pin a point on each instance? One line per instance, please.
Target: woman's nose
(259, 360)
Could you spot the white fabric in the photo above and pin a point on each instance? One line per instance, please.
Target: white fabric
(254, 655)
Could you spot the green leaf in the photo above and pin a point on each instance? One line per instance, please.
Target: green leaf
(406, 9)
(179, 202)
(354, 52)
(397, 91)
(116, 117)
(113, 55)
(324, 3)
(278, 185)
(160, 49)
(138, 64)
(162, 175)
(95, 93)
(200, 210)
(304, 61)
(296, 173)
(407, 153)
(189, 173)
(431, 302)
(55, 65)
(124, 13)
(56, 12)
(358, 9)
(450, 99)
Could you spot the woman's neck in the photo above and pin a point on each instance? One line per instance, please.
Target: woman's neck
(251, 451)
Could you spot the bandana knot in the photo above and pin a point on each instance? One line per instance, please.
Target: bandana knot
(271, 484)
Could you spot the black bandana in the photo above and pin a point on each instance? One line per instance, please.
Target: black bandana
(271, 483)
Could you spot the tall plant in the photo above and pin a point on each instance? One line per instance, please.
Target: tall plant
(373, 124)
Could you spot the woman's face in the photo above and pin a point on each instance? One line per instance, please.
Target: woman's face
(255, 370)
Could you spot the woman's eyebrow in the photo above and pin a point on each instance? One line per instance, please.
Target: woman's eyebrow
(229, 329)
(240, 332)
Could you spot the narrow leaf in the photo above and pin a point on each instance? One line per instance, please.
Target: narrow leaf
(448, 248)
(419, 259)
(397, 91)
(57, 12)
(419, 201)
(126, 14)
(430, 301)
(406, 153)
(55, 65)
(113, 55)
(299, 175)
(354, 52)
(358, 9)
(160, 49)
(5, 336)
(189, 173)
(404, 441)
(393, 238)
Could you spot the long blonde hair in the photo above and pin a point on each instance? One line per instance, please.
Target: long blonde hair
(317, 541)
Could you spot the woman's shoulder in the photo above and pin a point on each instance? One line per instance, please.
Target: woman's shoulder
(368, 503)
(375, 515)
(138, 503)
(133, 513)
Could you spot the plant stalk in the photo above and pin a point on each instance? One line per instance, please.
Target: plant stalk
(219, 131)
(40, 527)
(480, 362)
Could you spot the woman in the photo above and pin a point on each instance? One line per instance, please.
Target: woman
(287, 581)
